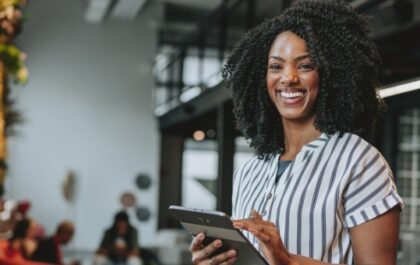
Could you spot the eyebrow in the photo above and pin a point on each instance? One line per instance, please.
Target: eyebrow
(299, 58)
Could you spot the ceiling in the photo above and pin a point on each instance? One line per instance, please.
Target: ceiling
(396, 24)
(97, 11)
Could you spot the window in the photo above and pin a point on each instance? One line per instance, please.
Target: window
(408, 167)
(199, 174)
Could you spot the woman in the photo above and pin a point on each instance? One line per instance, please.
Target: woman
(303, 86)
(119, 244)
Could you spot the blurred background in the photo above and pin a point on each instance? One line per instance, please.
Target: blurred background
(123, 109)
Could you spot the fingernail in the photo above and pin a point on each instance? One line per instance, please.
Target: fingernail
(231, 253)
(218, 243)
(200, 236)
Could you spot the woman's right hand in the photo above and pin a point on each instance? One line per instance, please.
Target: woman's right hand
(203, 255)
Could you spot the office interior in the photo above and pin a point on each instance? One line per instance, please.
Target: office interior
(124, 100)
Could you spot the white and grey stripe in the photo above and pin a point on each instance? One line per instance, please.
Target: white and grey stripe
(333, 184)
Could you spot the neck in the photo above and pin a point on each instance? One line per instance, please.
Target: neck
(296, 135)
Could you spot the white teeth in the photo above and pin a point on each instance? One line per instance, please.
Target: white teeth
(291, 94)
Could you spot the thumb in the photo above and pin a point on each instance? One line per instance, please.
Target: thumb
(255, 214)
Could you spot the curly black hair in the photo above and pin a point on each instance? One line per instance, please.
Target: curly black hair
(345, 56)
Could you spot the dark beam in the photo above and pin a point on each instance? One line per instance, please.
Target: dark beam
(226, 144)
(250, 14)
(222, 31)
(170, 184)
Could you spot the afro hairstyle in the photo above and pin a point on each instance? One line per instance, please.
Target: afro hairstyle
(337, 38)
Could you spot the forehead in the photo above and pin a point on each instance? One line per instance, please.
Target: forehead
(288, 43)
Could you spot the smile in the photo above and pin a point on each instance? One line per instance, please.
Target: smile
(291, 95)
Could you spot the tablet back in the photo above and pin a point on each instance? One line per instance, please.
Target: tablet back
(217, 225)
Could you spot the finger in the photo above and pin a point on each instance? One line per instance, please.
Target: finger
(261, 235)
(209, 249)
(196, 242)
(238, 224)
(252, 223)
(224, 257)
(255, 214)
(229, 261)
(245, 223)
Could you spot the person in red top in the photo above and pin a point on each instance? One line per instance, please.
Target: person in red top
(17, 249)
(49, 249)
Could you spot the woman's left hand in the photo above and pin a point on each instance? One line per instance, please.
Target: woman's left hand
(268, 237)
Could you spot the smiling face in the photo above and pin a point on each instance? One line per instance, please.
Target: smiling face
(292, 78)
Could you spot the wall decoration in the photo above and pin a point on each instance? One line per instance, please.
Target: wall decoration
(128, 199)
(143, 214)
(69, 186)
(143, 181)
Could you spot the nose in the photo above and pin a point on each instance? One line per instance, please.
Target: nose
(288, 76)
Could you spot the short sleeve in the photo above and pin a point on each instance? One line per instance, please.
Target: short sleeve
(370, 190)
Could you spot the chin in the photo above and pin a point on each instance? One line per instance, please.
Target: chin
(296, 116)
(292, 115)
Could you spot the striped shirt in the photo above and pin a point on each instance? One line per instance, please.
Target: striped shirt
(333, 184)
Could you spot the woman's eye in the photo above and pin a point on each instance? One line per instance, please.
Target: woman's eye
(275, 67)
(306, 66)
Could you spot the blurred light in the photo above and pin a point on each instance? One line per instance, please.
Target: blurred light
(127, 9)
(214, 80)
(399, 89)
(161, 109)
(358, 3)
(96, 10)
(190, 94)
(199, 135)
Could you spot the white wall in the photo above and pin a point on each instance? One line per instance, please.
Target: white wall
(87, 108)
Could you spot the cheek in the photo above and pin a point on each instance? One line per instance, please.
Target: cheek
(271, 93)
(271, 81)
(271, 85)
(311, 82)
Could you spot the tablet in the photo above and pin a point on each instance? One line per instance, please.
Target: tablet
(217, 225)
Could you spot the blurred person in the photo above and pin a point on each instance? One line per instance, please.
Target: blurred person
(119, 244)
(23, 208)
(21, 245)
(49, 249)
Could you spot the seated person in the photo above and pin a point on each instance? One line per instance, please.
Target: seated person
(17, 249)
(49, 250)
(119, 243)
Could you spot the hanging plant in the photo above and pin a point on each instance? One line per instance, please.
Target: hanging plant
(11, 19)
(11, 67)
(13, 60)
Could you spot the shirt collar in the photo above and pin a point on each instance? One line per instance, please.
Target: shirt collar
(319, 142)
